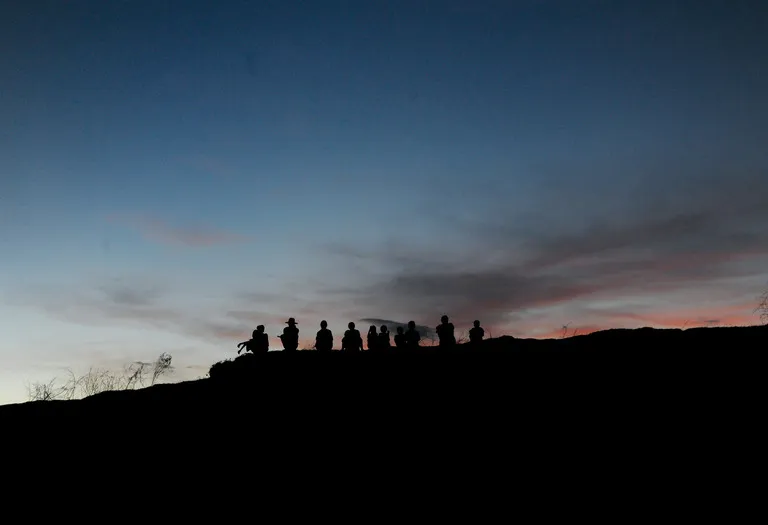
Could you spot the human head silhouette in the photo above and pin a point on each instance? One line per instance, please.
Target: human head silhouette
(351, 325)
(412, 325)
(384, 329)
(372, 329)
(444, 319)
(291, 322)
(399, 329)
(476, 323)
(323, 324)
(260, 328)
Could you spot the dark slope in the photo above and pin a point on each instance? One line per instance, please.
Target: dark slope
(501, 372)
(658, 410)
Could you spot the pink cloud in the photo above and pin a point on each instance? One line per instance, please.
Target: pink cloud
(571, 331)
(734, 315)
(725, 315)
(190, 236)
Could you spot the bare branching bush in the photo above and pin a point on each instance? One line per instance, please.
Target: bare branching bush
(565, 333)
(762, 308)
(135, 375)
(44, 391)
(161, 367)
(463, 338)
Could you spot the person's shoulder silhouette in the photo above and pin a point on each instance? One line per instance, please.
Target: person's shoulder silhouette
(412, 336)
(383, 342)
(258, 343)
(445, 332)
(373, 338)
(352, 339)
(324, 338)
(476, 333)
(262, 341)
(400, 341)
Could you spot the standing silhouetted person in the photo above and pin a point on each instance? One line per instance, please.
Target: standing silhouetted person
(352, 341)
(373, 338)
(258, 344)
(383, 343)
(445, 333)
(476, 333)
(412, 336)
(290, 336)
(400, 341)
(324, 339)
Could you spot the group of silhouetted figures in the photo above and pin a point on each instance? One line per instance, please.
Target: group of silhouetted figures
(377, 340)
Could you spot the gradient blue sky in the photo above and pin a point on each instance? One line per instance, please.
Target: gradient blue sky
(173, 173)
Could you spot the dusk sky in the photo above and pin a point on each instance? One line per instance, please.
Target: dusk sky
(173, 173)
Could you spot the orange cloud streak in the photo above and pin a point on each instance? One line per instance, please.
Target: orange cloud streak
(733, 315)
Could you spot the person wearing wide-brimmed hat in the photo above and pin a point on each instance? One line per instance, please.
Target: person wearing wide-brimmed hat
(290, 336)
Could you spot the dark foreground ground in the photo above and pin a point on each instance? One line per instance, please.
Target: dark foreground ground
(500, 377)
(662, 411)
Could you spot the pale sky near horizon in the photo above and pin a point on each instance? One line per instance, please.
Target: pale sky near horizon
(173, 173)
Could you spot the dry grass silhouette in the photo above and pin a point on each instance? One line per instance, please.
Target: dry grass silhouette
(565, 333)
(95, 381)
(762, 308)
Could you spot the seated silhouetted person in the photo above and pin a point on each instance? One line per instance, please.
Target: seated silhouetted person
(445, 333)
(324, 338)
(400, 338)
(373, 338)
(290, 336)
(258, 344)
(352, 341)
(383, 343)
(412, 336)
(476, 333)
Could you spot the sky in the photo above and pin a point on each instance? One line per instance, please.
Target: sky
(173, 173)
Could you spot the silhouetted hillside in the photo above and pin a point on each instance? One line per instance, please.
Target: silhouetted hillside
(490, 378)
(614, 407)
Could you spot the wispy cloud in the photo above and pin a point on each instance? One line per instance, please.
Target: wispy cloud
(163, 232)
(138, 303)
(669, 250)
(668, 240)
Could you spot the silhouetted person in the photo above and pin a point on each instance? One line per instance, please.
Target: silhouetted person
(258, 344)
(324, 339)
(412, 336)
(383, 343)
(400, 341)
(352, 340)
(290, 336)
(476, 333)
(445, 333)
(373, 338)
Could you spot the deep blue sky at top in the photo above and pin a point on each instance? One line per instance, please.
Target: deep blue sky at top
(359, 124)
(103, 101)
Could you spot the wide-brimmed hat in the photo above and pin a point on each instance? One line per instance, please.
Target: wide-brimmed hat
(291, 320)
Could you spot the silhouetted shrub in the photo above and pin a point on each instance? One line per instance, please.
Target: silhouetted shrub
(762, 308)
(136, 375)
